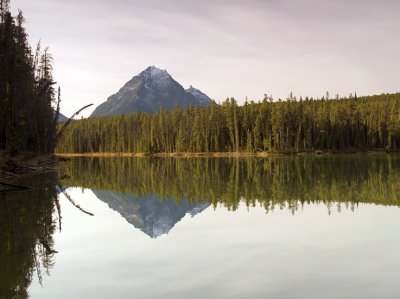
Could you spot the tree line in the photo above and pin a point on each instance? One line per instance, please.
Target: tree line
(27, 93)
(292, 125)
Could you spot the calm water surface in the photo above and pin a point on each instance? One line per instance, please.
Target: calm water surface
(290, 227)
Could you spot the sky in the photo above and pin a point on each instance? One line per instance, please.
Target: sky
(226, 48)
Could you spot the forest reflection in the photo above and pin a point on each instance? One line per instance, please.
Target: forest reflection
(28, 221)
(279, 182)
(155, 193)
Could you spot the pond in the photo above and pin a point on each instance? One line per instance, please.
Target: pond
(283, 227)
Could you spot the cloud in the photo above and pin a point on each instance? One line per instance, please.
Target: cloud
(226, 48)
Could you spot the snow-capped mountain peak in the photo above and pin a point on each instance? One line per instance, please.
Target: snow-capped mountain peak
(151, 90)
(155, 73)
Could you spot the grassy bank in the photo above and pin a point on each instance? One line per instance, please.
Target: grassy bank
(216, 154)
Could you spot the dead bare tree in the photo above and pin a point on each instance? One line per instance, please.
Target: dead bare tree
(59, 134)
(72, 201)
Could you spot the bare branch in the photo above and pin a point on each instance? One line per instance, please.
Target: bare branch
(72, 201)
(68, 122)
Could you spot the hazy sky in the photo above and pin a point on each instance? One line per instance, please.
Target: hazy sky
(225, 48)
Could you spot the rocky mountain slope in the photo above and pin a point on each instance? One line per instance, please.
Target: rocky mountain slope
(150, 91)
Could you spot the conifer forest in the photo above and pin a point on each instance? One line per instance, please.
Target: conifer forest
(292, 125)
(28, 100)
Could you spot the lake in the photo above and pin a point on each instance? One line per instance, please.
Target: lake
(281, 227)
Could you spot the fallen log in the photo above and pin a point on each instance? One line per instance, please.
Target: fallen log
(15, 187)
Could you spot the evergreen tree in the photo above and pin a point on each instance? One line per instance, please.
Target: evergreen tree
(295, 125)
(26, 93)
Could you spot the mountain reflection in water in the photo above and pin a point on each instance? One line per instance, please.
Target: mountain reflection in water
(282, 182)
(154, 194)
(151, 214)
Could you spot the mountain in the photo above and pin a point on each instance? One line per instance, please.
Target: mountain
(62, 117)
(150, 91)
(152, 215)
(201, 97)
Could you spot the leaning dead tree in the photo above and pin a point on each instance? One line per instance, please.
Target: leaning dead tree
(14, 169)
(61, 190)
(60, 132)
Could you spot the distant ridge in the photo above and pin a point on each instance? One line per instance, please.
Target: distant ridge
(151, 90)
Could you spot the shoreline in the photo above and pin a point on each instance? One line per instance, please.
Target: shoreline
(220, 154)
(14, 168)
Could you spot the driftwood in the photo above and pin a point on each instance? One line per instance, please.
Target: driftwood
(72, 201)
(68, 122)
(15, 187)
(18, 171)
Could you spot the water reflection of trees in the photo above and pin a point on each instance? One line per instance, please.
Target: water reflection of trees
(27, 225)
(283, 182)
